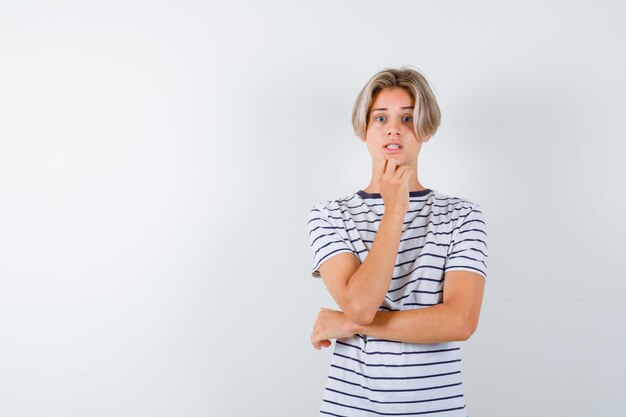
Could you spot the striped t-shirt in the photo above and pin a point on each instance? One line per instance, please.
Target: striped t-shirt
(370, 376)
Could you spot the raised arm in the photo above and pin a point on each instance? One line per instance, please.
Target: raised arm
(359, 290)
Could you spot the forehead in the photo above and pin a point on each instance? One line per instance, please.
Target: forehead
(392, 97)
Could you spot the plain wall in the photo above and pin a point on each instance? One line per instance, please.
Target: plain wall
(158, 161)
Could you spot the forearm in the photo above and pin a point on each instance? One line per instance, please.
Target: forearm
(436, 324)
(367, 287)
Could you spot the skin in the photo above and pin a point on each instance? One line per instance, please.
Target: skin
(457, 317)
(393, 124)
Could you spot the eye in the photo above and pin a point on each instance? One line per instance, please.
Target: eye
(407, 118)
(378, 118)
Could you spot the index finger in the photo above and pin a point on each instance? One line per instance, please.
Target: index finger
(380, 169)
(390, 168)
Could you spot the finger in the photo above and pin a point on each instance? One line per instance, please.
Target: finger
(315, 344)
(390, 169)
(380, 167)
(402, 170)
(407, 173)
(321, 343)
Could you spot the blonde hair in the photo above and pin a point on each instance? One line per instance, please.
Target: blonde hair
(426, 113)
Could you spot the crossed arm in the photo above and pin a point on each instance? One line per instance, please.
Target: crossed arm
(359, 290)
(454, 319)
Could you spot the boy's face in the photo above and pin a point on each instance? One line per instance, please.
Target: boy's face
(391, 120)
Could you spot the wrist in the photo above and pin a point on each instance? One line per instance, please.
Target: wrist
(397, 215)
(356, 328)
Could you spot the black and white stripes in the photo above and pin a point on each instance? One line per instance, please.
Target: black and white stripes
(370, 376)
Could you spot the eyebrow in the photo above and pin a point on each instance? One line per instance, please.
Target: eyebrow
(385, 108)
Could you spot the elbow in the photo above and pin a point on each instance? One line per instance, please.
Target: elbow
(467, 329)
(364, 320)
(360, 315)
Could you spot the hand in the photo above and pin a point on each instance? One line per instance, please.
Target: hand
(393, 183)
(330, 324)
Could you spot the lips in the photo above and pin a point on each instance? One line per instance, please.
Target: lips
(392, 151)
(393, 143)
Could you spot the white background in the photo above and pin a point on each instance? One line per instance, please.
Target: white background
(158, 161)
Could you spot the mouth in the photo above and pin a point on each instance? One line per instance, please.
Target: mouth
(393, 147)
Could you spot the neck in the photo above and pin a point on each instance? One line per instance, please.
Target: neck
(414, 182)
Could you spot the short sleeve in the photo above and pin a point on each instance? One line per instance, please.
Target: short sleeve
(326, 240)
(468, 247)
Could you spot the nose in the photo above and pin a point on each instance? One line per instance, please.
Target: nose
(393, 129)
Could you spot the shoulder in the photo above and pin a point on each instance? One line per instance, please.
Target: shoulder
(333, 208)
(458, 210)
(452, 202)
